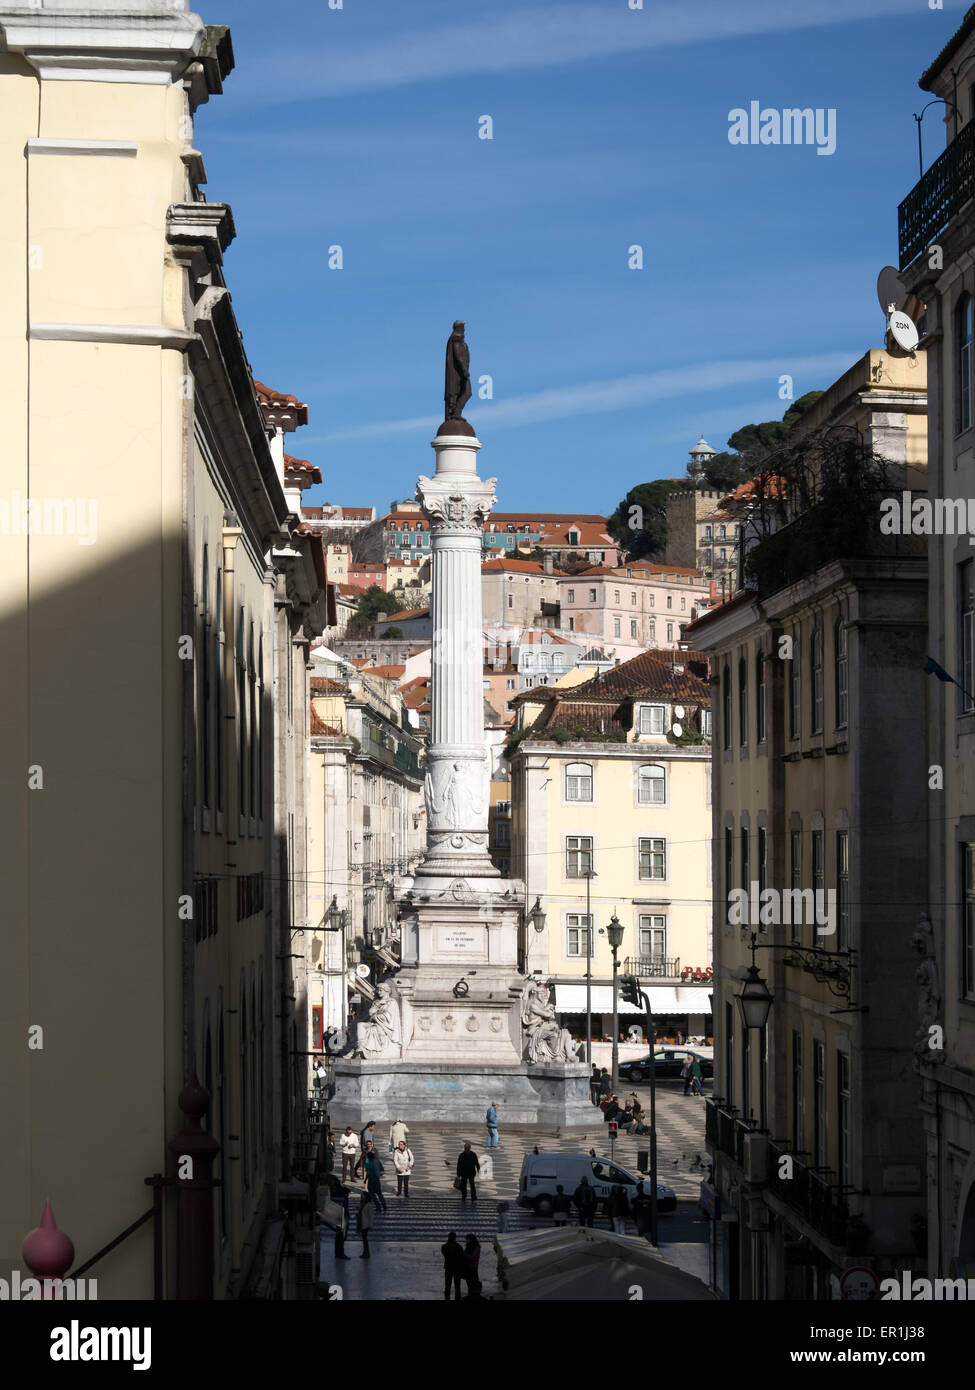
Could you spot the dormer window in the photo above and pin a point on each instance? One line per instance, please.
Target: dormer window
(573, 537)
(651, 719)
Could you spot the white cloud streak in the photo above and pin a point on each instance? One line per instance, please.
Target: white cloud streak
(542, 37)
(625, 393)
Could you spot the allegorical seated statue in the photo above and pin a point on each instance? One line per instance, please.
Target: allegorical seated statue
(545, 1040)
(380, 1034)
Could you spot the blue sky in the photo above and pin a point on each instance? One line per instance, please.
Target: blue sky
(359, 127)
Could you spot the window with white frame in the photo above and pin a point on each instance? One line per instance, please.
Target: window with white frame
(841, 672)
(652, 719)
(616, 596)
(670, 600)
(578, 934)
(558, 660)
(578, 782)
(633, 598)
(592, 595)
(633, 629)
(706, 726)
(572, 596)
(652, 784)
(670, 632)
(616, 627)
(816, 671)
(653, 858)
(653, 936)
(578, 856)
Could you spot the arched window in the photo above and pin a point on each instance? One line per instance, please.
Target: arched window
(760, 728)
(963, 363)
(743, 702)
(726, 708)
(841, 672)
(652, 782)
(816, 681)
(578, 782)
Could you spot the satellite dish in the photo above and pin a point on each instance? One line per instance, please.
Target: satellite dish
(678, 711)
(362, 971)
(677, 730)
(903, 331)
(890, 289)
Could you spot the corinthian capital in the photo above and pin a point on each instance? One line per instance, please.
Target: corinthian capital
(451, 506)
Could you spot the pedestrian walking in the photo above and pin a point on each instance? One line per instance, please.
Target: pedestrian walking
(492, 1126)
(454, 1265)
(685, 1073)
(561, 1206)
(360, 1164)
(468, 1168)
(374, 1171)
(605, 1082)
(340, 1195)
(403, 1163)
(366, 1213)
(320, 1074)
(619, 1209)
(349, 1149)
(585, 1201)
(697, 1076)
(641, 1207)
(594, 1085)
(330, 1152)
(368, 1135)
(472, 1257)
(504, 1217)
(397, 1131)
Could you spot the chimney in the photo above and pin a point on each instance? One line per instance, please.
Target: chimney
(548, 563)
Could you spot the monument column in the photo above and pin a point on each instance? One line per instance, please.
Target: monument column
(456, 502)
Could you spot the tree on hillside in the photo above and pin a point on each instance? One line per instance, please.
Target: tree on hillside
(639, 524)
(373, 602)
(750, 446)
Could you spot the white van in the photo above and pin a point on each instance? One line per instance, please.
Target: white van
(541, 1174)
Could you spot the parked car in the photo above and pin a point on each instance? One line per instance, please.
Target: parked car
(540, 1174)
(669, 1062)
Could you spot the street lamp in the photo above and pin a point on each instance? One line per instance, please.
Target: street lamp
(614, 931)
(633, 994)
(589, 877)
(537, 919)
(755, 1000)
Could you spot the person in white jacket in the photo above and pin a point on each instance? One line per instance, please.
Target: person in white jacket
(403, 1163)
(349, 1149)
(397, 1132)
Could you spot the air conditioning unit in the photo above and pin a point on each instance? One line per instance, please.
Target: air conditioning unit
(755, 1158)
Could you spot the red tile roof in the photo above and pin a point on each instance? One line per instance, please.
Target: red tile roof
(389, 673)
(321, 729)
(650, 673)
(654, 568)
(302, 466)
(280, 401)
(324, 685)
(499, 563)
(407, 613)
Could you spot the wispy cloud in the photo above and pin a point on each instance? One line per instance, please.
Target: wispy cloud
(625, 393)
(540, 37)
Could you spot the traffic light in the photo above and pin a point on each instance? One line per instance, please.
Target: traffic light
(630, 989)
(613, 1126)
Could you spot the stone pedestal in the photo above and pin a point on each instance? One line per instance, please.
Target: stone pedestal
(460, 1093)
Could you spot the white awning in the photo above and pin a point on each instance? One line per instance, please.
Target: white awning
(664, 999)
(571, 999)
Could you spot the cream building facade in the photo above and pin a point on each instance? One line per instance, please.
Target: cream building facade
(145, 869)
(601, 782)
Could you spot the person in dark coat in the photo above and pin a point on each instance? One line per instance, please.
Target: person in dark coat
(366, 1212)
(605, 1082)
(468, 1167)
(619, 1208)
(594, 1085)
(454, 1265)
(338, 1193)
(640, 1207)
(472, 1257)
(585, 1201)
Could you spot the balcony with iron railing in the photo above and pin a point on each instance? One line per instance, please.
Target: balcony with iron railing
(653, 967)
(809, 1193)
(937, 196)
(725, 1130)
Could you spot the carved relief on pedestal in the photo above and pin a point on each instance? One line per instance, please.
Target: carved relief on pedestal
(449, 1023)
(472, 1024)
(452, 794)
(423, 1023)
(545, 1039)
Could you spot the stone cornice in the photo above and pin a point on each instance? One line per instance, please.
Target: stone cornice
(147, 43)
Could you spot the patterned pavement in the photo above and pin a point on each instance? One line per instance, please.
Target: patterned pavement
(434, 1207)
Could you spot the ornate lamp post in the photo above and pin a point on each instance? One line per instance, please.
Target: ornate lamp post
(614, 931)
